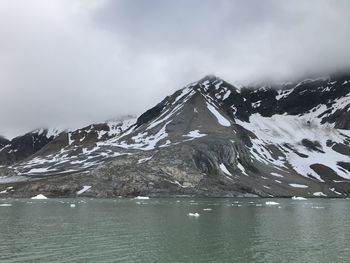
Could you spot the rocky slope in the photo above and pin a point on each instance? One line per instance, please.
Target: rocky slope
(207, 139)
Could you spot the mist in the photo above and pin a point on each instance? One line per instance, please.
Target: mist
(69, 63)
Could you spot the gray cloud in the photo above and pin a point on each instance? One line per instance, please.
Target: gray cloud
(73, 62)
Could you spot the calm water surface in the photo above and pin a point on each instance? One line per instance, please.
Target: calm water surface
(160, 230)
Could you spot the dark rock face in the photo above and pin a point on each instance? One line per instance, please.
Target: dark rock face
(207, 139)
(312, 146)
(24, 146)
(150, 114)
(3, 142)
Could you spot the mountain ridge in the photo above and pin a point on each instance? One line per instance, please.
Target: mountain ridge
(208, 139)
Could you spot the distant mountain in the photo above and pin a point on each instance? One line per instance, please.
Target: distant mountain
(24, 146)
(3, 141)
(207, 139)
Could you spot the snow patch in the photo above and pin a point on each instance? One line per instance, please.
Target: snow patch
(195, 134)
(226, 95)
(143, 160)
(224, 169)
(240, 167)
(298, 185)
(85, 188)
(221, 119)
(277, 175)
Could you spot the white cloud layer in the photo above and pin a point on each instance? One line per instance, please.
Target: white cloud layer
(74, 62)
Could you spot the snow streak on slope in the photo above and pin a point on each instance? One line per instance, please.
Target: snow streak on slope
(221, 119)
(143, 141)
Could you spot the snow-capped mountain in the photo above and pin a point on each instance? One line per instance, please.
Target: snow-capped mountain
(24, 146)
(207, 139)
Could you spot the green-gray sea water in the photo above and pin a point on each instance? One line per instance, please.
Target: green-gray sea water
(160, 230)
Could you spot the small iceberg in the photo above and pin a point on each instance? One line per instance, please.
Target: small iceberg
(207, 209)
(193, 214)
(319, 194)
(5, 204)
(298, 198)
(72, 205)
(141, 198)
(317, 207)
(40, 196)
(271, 203)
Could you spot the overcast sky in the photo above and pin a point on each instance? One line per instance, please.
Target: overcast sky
(69, 63)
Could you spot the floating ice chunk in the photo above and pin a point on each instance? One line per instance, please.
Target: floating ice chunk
(39, 196)
(85, 188)
(298, 198)
(319, 194)
(5, 204)
(298, 185)
(193, 214)
(207, 209)
(271, 203)
(72, 205)
(141, 197)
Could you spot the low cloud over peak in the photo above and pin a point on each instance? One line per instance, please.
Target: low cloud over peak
(72, 62)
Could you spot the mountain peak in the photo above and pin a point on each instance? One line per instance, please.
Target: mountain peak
(208, 138)
(209, 79)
